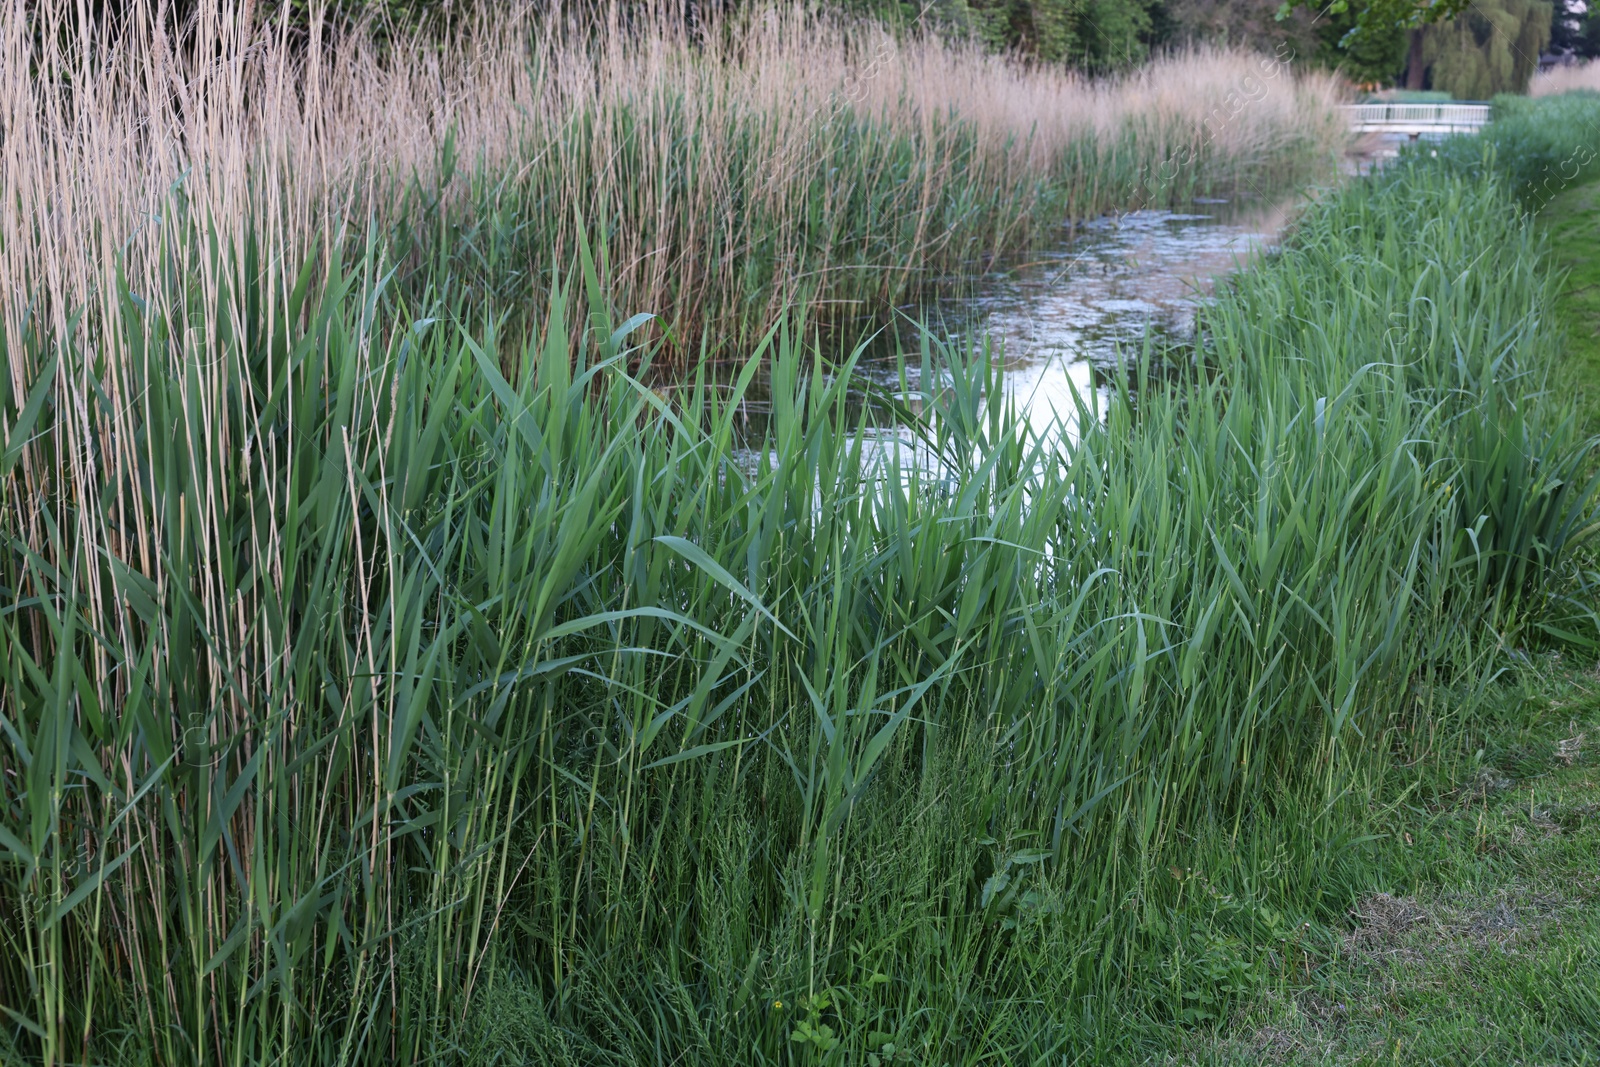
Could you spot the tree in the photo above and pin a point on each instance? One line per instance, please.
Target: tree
(1313, 35)
(1568, 29)
(1493, 48)
(1254, 23)
(1379, 16)
(1042, 29)
(1378, 55)
(1470, 48)
(1114, 33)
(1092, 34)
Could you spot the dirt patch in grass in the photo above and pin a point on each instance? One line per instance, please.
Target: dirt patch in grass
(1570, 750)
(1388, 929)
(1282, 1029)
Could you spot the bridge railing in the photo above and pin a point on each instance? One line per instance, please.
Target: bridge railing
(1444, 116)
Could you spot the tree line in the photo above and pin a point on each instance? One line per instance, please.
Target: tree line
(1472, 49)
(1487, 47)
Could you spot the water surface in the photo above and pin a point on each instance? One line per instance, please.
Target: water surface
(1061, 318)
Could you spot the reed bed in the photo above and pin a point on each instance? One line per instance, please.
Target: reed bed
(790, 161)
(1538, 147)
(1558, 80)
(386, 678)
(473, 719)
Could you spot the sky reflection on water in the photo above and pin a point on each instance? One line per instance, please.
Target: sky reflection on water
(1059, 318)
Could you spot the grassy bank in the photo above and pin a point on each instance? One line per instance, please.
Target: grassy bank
(1477, 938)
(1572, 222)
(385, 681)
(1473, 936)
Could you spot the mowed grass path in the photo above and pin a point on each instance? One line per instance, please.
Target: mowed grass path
(1480, 942)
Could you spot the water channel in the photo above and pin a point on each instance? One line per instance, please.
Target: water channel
(1061, 317)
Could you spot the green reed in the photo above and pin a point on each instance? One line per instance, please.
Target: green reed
(365, 702)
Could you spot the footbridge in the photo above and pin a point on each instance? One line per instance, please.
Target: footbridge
(1417, 119)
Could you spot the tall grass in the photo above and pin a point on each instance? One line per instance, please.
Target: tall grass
(1538, 147)
(379, 682)
(531, 713)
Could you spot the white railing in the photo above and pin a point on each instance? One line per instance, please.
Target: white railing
(1416, 118)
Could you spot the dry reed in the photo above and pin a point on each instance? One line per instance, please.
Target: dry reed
(797, 160)
(1556, 80)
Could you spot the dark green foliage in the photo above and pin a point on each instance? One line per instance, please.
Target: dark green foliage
(1114, 34)
(1094, 35)
(1319, 36)
(1242, 23)
(1377, 55)
(1380, 17)
(1493, 48)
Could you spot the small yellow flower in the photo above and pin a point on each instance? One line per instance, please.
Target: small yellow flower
(777, 1005)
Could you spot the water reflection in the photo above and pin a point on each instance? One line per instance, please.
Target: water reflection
(1060, 318)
